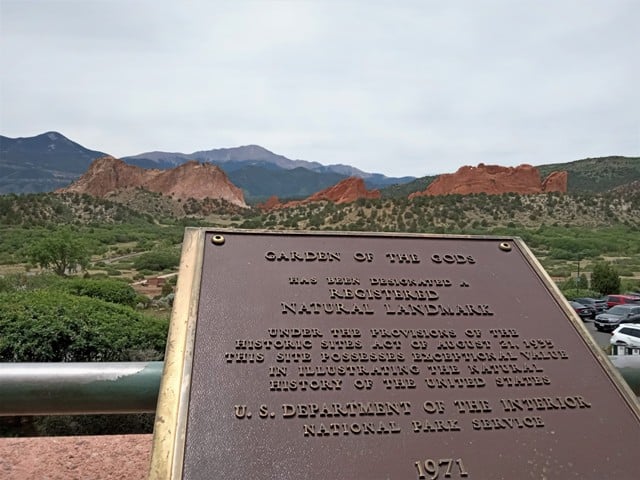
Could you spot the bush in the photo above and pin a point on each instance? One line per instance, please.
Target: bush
(122, 424)
(20, 281)
(167, 288)
(630, 285)
(157, 261)
(54, 326)
(55, 425)
(571, 293)
(110, 290)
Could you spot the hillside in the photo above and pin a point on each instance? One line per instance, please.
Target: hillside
(591, 175)
(50, 161)
(48, 209)
(597, 174)
(438, 214)
(461, 214)
(41, 163)
(259, 183)
(559, 228)
(405, 189)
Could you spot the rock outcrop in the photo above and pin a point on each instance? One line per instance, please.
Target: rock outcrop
(272, 203)
(494, 180)
(556, 182)
(189, 180)
(346, 191)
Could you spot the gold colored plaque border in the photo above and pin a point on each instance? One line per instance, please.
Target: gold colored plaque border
(169, 434)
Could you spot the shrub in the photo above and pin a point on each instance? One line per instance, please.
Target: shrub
(630, 285)
(571, 293)
(167, 288)
(158, 260)
(54, 326)
(20, 281)
(94, 424)
(110, 290)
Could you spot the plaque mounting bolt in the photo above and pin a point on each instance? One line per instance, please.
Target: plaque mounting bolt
(217, 240)
(505, 246)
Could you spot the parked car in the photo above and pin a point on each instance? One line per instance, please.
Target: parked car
(609, 320)
(584, 311)
(627, 334)
(613, 300)
(598, 304)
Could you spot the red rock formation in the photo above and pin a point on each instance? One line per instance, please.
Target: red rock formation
(555, 182)
(493, 180)
(346, 191)
(272, 203)
(189, 180)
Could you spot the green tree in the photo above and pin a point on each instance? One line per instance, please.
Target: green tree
(605, 278)
(61, 252)
(582, 281)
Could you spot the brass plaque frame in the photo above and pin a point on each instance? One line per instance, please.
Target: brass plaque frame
(170, 432)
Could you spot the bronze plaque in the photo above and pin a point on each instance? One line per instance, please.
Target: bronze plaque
(372, 356)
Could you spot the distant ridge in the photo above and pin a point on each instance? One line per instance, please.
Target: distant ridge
(597, 175)
(41, 163)
(589, 175)
(50, 161)
(251, 154)
(253, 167)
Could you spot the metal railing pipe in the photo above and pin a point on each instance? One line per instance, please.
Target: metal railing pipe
(79, 388)
(124, 387)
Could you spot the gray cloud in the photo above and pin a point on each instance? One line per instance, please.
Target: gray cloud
(410, 89)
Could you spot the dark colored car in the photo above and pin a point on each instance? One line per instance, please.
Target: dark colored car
(598, 304)
(583, 311)
(613, 300)
(609, 320)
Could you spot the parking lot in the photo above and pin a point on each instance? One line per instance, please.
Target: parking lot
(601, 338)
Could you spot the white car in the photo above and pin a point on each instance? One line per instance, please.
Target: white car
(627, 334)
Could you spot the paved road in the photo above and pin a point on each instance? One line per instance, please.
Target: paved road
(601, 338)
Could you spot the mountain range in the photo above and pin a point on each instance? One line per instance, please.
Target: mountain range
(41, 163)
(51, 161)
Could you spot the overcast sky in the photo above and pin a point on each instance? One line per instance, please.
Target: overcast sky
(395, 87)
